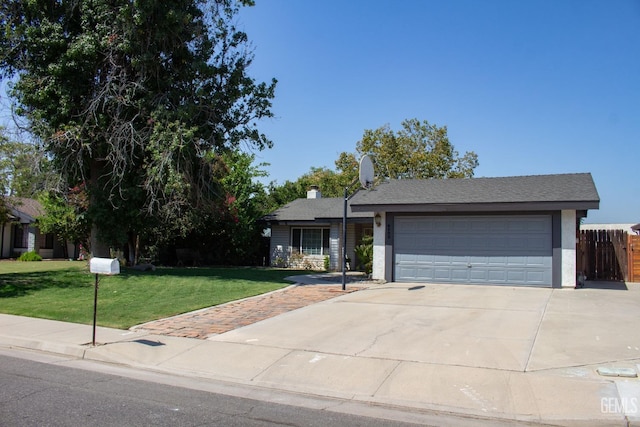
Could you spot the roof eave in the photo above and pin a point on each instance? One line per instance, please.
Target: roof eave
(478, 207)
(22, 217)
(315, 222)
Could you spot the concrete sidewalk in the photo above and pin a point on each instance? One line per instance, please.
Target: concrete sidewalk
(502, 353)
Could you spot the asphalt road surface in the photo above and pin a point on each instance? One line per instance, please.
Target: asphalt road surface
(48, 394)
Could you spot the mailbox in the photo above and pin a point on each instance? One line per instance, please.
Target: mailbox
(104, 266)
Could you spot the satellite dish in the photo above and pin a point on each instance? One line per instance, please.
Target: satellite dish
(367, 174)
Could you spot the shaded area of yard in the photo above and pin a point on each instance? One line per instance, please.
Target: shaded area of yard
(64, 291)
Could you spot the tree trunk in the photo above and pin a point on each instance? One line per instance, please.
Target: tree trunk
(133, 243)
(65, 249)
(97, 248)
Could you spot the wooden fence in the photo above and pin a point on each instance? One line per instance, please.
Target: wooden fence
(608, 255)
(633, 249)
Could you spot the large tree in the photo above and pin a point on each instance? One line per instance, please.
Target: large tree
(134, 98)
(245, 205)
(25, 170)
(418, 150)
(65, 217)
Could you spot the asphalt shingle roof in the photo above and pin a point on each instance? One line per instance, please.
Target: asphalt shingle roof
(564, 191)
(578, 187)
(312, 209)
(26, 209)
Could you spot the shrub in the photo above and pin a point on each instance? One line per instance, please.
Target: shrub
(327, 263)
(29, 256)
(364, 253)
(296, 260)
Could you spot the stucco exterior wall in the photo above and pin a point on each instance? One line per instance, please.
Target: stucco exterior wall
(379, 250)
(32, 239)
(568, 248)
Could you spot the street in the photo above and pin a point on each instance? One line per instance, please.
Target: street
(39, 394)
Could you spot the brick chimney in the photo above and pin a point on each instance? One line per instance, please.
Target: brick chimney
(314, 193)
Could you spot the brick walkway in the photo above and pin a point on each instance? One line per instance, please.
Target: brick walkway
(223, 318)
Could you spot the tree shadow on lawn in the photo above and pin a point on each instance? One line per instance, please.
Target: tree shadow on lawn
(21, 284)
(254, 274)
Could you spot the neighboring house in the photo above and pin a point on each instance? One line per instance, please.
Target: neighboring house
(21, 234)
(513, 230)
(306, 231)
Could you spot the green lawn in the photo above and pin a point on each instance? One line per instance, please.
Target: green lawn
(63, 290)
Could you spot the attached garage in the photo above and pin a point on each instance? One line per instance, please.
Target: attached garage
(510, 250)
(518, 231)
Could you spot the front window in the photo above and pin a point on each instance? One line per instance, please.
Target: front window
(21, 236)
(46, 241)
(310, 241)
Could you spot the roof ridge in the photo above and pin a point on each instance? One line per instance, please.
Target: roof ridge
(490, 177)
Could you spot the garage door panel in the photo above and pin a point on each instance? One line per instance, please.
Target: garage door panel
(516, 276)
(459, 274)
(495, 276)
(484, 249)
(538, 244)
(535, 276)
(494, 261)
(474, 252)
(421, 274)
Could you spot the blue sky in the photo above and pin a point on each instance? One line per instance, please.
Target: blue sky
(532, 87)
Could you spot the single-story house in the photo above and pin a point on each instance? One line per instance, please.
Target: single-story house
(305, 232)
(21, 234)
(512, 230)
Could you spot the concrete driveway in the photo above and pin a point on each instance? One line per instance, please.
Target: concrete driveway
(532, 352)
(507, 328)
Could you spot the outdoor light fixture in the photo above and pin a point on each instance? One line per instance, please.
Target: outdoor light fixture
(378, 219)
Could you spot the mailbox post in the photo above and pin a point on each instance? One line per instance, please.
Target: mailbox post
(100, 266)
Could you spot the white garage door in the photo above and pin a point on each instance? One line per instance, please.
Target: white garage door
(507, 250)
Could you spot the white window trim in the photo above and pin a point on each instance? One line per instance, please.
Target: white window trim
(298, 248)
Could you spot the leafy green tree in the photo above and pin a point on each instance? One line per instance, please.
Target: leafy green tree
(24, 169)
(230, 232)
(129, 95)
(246, 202)
(347, 167)
(65, 216)
(364, 254)
(281, 194)
(418, 150)
(331, 184)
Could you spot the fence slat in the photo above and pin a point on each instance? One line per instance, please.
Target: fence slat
(633, 252)
(603, 255)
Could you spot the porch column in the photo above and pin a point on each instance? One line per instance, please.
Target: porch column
(568, 247)
(31, 240)
(379, 248)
